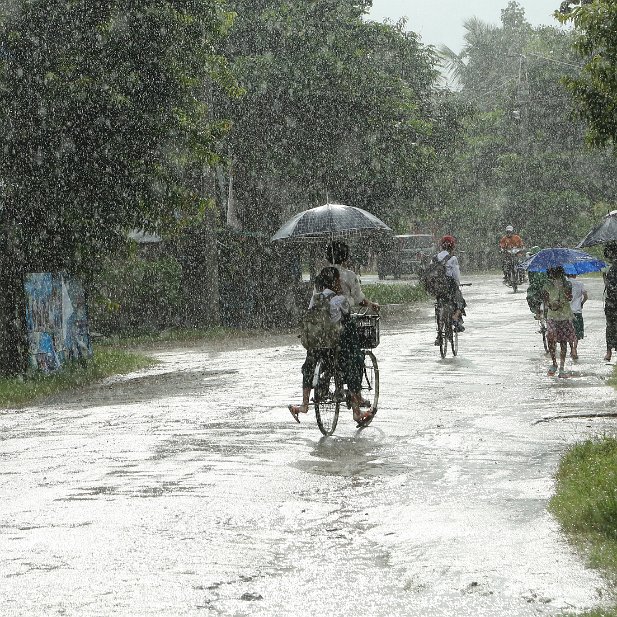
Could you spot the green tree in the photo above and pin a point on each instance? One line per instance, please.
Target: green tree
(520, 159)
(102, 106)
(595, 88)
(335, 107)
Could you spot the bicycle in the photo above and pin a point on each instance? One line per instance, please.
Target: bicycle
(328, 380)
(514, 276)
(543, 327)
(446, 332)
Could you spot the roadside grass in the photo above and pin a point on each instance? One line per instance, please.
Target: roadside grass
(394, 294)
(20, 391)
(585, 504)
(169, 335)
(612, 380)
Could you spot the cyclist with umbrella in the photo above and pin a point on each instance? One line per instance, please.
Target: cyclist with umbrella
(351, 354)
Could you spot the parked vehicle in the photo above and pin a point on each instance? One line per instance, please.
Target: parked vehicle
(405, 254)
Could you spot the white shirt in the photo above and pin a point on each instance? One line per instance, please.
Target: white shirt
(452, 268)
(578, 289)
(339, 305)
(350, 285)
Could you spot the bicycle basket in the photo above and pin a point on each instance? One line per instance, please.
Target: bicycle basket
(368, 330)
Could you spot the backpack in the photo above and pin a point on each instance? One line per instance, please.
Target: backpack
(434, 278)
(316, 327)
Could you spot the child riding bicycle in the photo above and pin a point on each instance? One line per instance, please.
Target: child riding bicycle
(340, 347)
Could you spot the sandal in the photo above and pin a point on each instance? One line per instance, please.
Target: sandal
(362, 418)
(552, 370)
(294, 410)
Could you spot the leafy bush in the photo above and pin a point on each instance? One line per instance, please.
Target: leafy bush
(394, 294)
(585, 502)
(136, 295)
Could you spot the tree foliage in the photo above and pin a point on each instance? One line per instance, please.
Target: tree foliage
(521, 158)
(335, 108)
(102, 107)
(595, 88)
(102, 111)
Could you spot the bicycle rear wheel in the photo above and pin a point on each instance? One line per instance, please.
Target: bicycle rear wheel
(450, 334)
(326, 397)
(370, 385)
(442, 337)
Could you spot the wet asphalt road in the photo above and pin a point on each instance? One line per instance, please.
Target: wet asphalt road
(189, 490)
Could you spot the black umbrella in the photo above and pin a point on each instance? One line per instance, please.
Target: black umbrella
(603, 233)
(330, 222)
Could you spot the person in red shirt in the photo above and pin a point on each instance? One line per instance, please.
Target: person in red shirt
(509, 241)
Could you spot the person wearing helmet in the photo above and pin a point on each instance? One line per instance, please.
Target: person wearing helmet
(453, 274)
(507, 242)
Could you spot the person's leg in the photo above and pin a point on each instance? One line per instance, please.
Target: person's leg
(574, 350)
(552, 347)
(308, 370)
(610, 335)
(552, 350)
(562, 355)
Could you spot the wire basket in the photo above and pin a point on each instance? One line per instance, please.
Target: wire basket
(368, 330)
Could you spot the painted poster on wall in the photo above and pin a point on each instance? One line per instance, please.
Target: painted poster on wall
(57, 320)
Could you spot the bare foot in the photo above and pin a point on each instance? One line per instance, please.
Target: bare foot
(362, 416)
(607, 357)
(294, 410)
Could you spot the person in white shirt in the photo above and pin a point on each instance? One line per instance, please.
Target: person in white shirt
(579, 297)
(453, 272)
(351, 355)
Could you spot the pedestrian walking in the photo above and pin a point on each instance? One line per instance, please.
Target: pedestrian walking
(579, 297)
(610, 299)
(557, 297)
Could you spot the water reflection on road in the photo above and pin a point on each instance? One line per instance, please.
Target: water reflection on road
(189, 489)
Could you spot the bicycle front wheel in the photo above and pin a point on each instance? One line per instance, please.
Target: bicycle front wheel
(370, 386)
(327, 395)
(543, 330)
(514, 278)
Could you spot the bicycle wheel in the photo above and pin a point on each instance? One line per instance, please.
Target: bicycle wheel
(514, 278)
(370, 384)
(451, 336)
(543, 331)
(326, 397)
(442, 336)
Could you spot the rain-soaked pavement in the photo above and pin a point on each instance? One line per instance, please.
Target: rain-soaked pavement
(189, 490)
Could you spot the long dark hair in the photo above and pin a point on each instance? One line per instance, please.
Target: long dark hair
(337, 252)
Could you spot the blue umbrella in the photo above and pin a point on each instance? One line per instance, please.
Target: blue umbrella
(573, 261)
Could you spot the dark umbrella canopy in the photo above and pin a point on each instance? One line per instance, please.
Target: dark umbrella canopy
(572, 261)
(603, 233)
(329, 222)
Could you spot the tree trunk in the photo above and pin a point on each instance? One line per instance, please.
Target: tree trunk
(13, 339)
